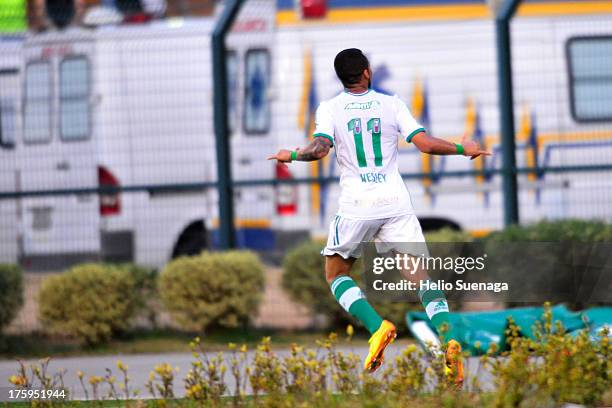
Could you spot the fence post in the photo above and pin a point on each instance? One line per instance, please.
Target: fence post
(503, 16)
(227, 236)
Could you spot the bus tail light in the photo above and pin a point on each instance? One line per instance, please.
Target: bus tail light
(110, 203)
(286, 194)
(313, 8)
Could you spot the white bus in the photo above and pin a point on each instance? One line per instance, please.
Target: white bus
(563, 106)
(10, 126)
(131, 106)
(125, 106)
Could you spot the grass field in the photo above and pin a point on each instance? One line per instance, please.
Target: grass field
(453, 399)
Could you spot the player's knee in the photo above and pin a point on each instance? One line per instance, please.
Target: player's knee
(336, 266)
(332, 273)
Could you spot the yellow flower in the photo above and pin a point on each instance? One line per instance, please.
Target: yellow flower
(411, 348)
(194, 390)
(163, 369)
(17, 380)
(121, 366)
(94, 379)
(80, 374)
(350, 330)
(243, 348)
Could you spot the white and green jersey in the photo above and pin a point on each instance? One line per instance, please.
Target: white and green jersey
(364, 129)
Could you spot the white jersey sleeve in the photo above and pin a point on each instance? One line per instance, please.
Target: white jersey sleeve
(324, 122)
(408, 126)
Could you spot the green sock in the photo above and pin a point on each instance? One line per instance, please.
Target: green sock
(350, 297)
(436, 308)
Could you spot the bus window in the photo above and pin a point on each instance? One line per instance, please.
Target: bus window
(74, 99)
(589, 61)
(257, 81)
(37, 116)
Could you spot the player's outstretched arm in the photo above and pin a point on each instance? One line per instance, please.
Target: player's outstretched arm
(316, 150)
(433, 145)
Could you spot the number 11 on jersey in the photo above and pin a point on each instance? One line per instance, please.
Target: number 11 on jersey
(373, 126)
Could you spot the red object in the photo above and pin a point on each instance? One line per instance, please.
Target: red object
(314, 8)
(286, 194)
(138, 18)
(110, 203)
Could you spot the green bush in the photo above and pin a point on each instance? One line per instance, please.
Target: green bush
(91, 302)
(212, 289)
(304, 279)
(561, 258)
(146, 298)
(554, 231)
(11, 293)
(448, 235)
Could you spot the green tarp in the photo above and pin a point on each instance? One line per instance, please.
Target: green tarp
(477, 330)
(13, 16)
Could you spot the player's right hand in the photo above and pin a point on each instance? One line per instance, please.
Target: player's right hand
(472, 148)
(283, 156)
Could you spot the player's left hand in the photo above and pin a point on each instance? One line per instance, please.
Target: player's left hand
(283, 156)
(472, 148)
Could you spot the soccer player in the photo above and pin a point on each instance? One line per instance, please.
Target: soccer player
(363, 126)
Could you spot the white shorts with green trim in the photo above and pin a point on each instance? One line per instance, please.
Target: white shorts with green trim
(402, 234)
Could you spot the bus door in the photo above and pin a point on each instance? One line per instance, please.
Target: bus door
(250, 77)
(9, 178)
(59, 154)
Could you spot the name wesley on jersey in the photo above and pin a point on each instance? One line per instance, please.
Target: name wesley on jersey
(373, 178)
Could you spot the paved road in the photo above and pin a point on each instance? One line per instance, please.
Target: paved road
(139, 367)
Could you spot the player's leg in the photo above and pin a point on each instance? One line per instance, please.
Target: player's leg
(436, 306)
(341, 251)
(404, 235)
(348, 294)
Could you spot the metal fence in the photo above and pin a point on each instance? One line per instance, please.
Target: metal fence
(107, 141)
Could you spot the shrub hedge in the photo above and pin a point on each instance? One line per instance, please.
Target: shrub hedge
(448, 235)
(11, 293)
(146, 298)
(212, 289)
(554, 231)
(304, 277)
(90, 302)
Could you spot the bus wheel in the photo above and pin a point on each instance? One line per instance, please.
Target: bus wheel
(192, 240)
(433, 224)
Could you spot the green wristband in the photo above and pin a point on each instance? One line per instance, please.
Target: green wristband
(293, 155)
(460, 149)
